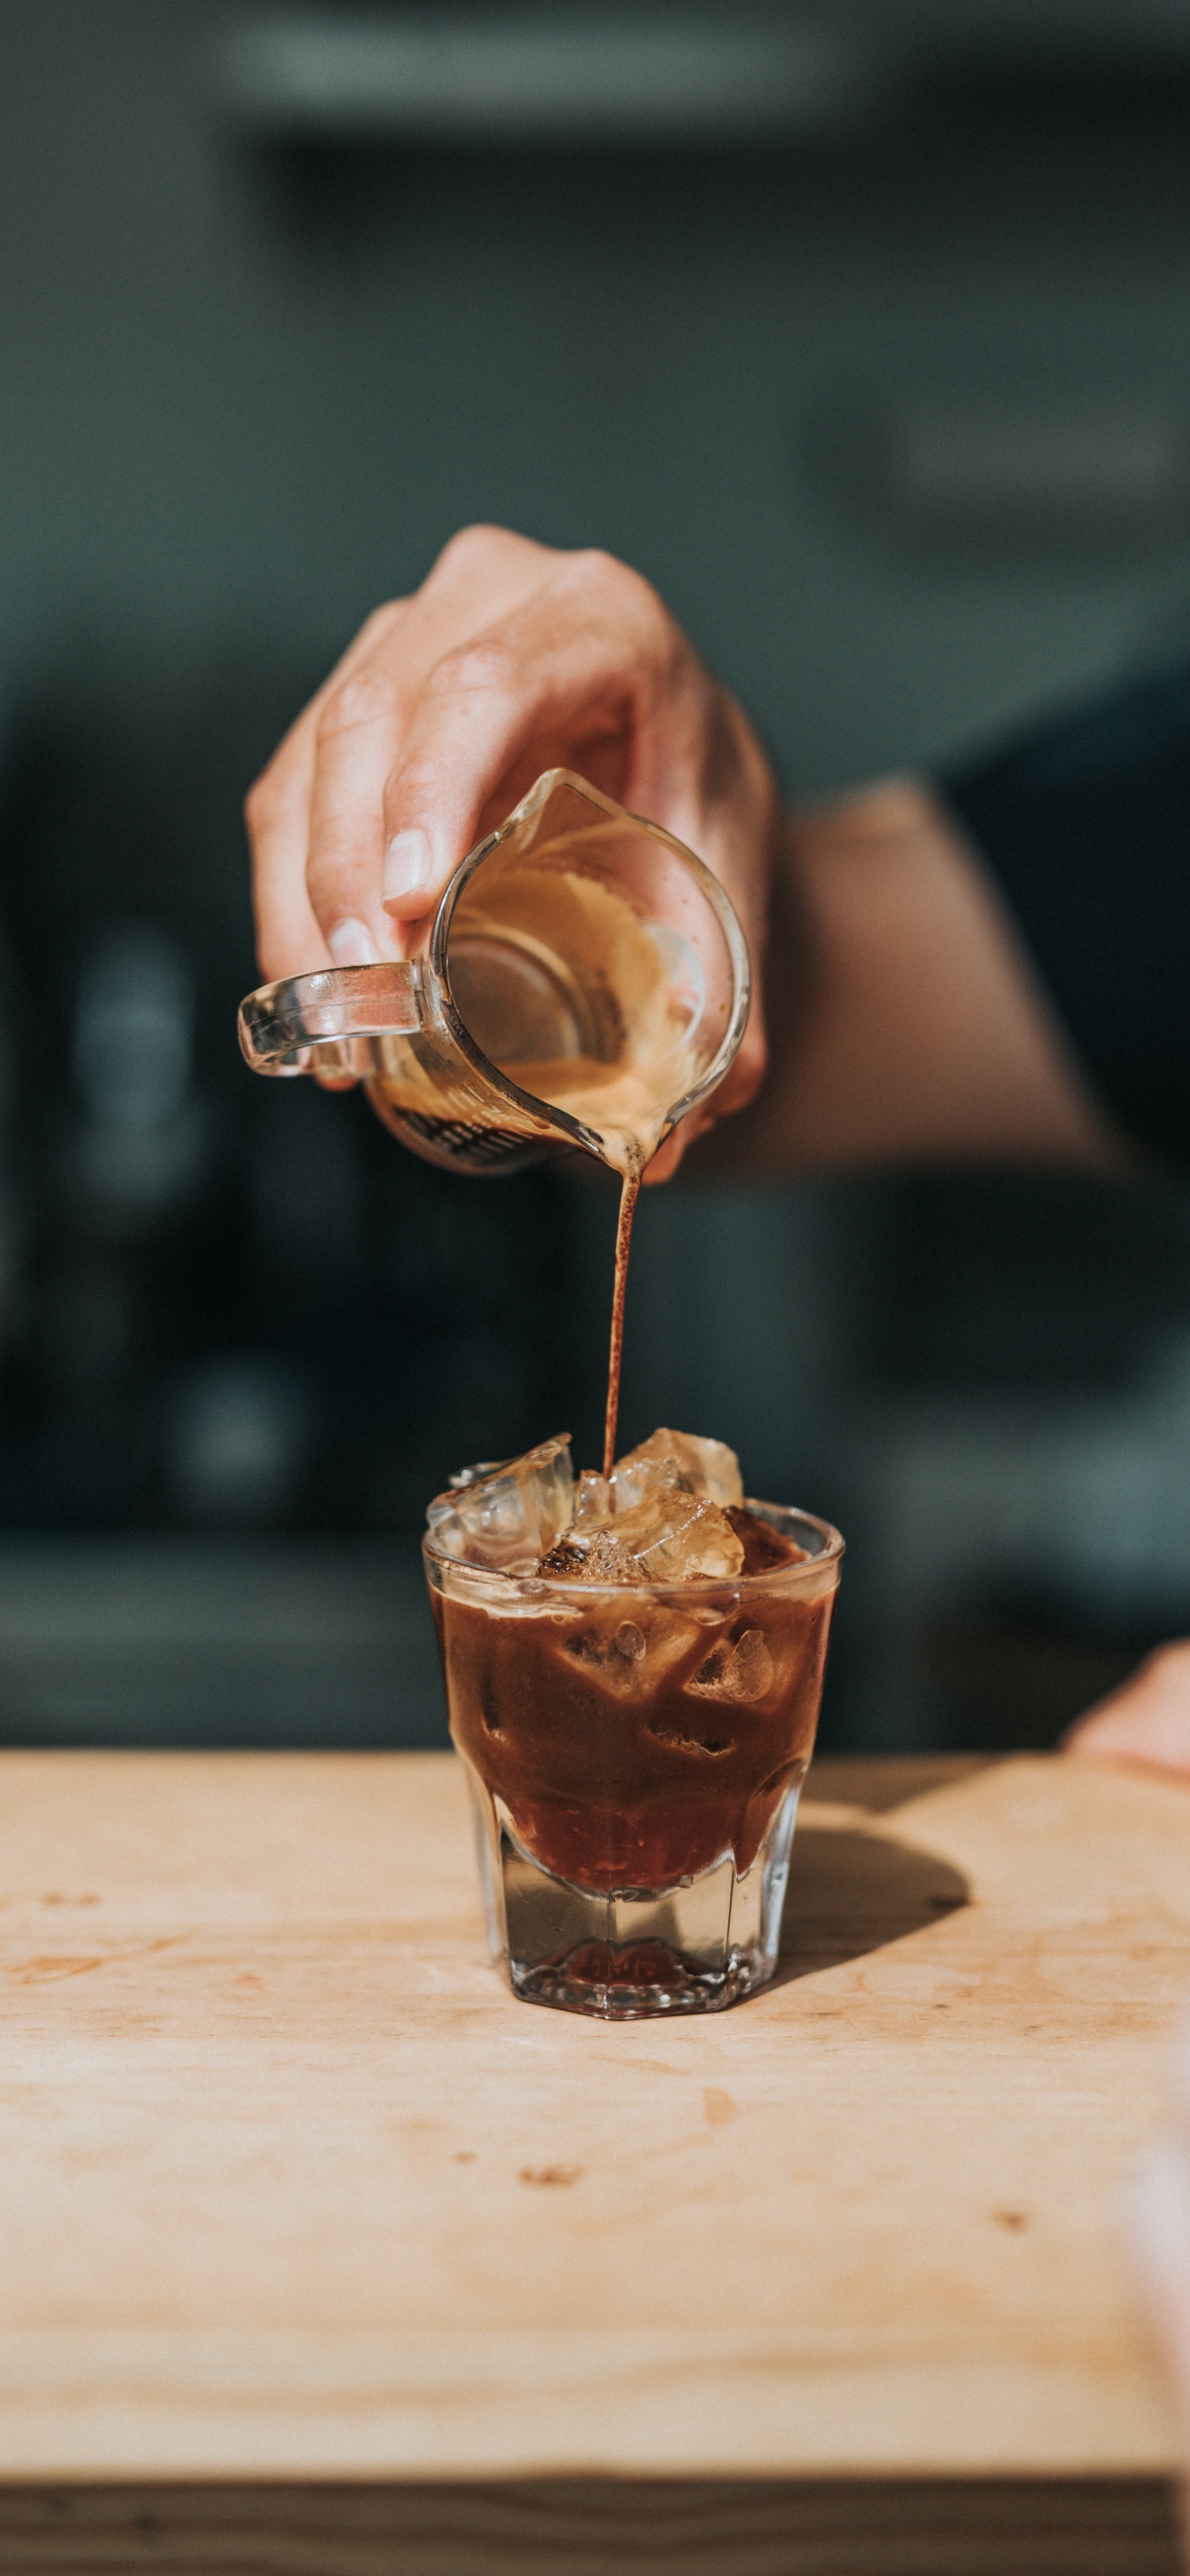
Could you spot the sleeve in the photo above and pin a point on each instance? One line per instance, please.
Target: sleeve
(1084, 823)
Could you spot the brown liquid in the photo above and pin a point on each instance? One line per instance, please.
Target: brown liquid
(634, 1059)
(605, 1042)
(629, 1193)
(600, 1727)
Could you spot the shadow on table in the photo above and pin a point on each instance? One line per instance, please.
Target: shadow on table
(851, 1892)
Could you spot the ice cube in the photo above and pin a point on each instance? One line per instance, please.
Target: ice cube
(629, 1656)
(638, 1480)
(608, 1551)
(705, 1467)
(743, 1670)
(594, 1501)
(508, 1517)
(605, 1561)
(700, 1544)
(609, 1651)
(670, 1537)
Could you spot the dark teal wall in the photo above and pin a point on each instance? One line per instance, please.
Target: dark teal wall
(217, 415)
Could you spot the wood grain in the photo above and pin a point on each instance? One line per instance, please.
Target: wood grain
(292, 2189)
(586, 2527)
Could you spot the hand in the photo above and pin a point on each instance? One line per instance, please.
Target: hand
(511, 658)
(1146, 1720)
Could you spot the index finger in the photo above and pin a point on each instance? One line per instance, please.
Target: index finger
(289, 939)
(584, 660)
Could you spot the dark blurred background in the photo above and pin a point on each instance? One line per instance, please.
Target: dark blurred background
(864, 334)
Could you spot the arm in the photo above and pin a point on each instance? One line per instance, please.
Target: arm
(1003, 965)
(906, 1021)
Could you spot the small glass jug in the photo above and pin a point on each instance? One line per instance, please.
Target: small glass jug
(587, 983)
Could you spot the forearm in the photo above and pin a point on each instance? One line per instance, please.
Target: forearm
(906, 1022)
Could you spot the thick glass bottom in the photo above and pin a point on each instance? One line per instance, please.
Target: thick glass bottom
(637, 1954)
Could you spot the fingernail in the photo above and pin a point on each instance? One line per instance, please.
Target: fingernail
(408, 866)
(351, 944)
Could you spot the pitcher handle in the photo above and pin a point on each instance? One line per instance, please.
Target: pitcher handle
(311, 1021)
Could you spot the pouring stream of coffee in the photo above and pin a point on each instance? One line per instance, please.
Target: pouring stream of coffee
(622, 1097)
(629, 1193)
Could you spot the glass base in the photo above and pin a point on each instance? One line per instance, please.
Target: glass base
(636, 1954)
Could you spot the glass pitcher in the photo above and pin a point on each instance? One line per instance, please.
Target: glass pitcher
(587, 983)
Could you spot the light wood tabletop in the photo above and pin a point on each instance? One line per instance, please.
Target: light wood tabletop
(299, 2203)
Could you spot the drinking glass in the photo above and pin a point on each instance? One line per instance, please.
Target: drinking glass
(634, 1754)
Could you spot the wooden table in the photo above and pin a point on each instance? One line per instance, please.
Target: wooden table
(319, 2253)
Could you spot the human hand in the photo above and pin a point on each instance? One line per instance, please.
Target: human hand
(1146, 1720)
(511, 658)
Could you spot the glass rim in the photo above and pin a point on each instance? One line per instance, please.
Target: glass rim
(563, 1588)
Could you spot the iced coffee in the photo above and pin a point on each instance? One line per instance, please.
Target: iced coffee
(633, 1668)
(634, 1660)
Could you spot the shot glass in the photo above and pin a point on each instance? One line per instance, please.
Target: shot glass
(634, 1755)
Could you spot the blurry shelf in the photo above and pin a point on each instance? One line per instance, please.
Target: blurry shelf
(615, 77)
(971, 467)
(317, 77)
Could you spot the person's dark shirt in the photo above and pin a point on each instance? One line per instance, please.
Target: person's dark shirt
(1084, 823)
